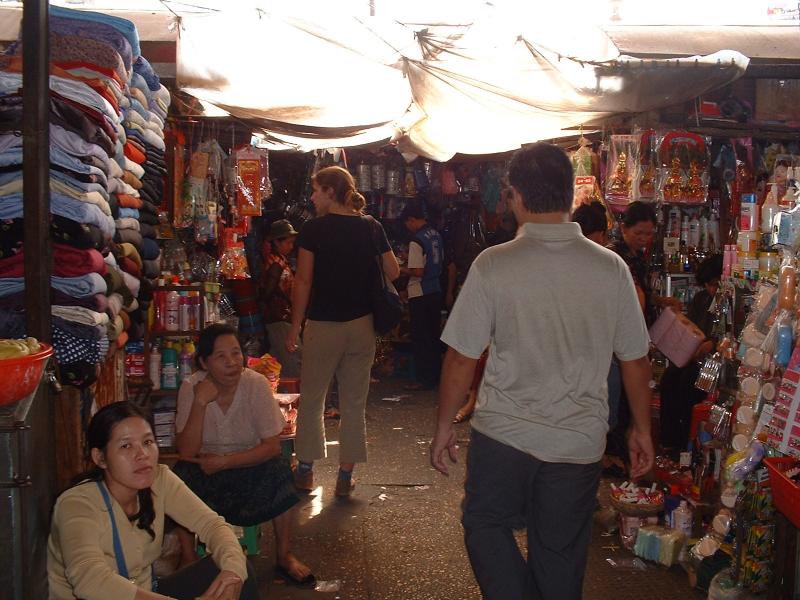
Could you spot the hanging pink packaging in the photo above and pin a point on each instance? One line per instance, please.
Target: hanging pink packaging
(676, 336)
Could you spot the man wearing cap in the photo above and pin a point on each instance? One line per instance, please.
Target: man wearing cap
(425, 259)
(276, 291)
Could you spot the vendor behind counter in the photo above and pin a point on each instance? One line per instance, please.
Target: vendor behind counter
(678, 392)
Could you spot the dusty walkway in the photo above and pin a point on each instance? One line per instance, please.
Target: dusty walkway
(399, 536)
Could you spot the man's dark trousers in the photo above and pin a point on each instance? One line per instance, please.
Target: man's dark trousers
(426, 326)
(506, 487)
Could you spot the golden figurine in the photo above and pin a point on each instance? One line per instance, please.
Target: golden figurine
(673, 186)
(647, 185)
(620, 184)
(694, 188)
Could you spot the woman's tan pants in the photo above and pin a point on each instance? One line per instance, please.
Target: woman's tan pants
(346, 350)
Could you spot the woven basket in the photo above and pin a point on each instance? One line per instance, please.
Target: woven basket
(637, 510)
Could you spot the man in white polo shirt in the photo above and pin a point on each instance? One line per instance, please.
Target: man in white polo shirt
(552, 307)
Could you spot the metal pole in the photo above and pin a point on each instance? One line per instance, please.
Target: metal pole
(38, 453)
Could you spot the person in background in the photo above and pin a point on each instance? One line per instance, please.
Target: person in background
(425, 260)
(121, 504)
(228, 427)
(678, 392)
(335, 261)
(277, 294)
(505, 232)
(539, 426)
(638, 228)
(593, 222)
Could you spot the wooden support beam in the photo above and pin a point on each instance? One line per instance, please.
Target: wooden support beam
(38, 457)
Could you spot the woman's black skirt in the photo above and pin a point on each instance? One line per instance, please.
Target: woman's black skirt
(245, 496)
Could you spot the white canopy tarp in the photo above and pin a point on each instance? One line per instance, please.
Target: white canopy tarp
(478, 89)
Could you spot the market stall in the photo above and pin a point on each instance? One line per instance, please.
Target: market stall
(186, 200)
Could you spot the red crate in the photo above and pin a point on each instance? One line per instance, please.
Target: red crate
(785, 492)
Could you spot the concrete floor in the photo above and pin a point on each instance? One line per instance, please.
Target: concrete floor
(399, 535)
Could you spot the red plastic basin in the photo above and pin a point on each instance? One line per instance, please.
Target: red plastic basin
(21, 375)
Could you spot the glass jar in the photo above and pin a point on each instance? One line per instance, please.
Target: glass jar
(378, 176)
(364, 174)
(393, 181)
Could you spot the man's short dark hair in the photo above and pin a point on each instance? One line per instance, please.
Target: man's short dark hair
(542, 174)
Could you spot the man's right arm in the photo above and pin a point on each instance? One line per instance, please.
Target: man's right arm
(636, 375)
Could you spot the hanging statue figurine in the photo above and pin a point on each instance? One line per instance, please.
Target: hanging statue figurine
(694, 189)
(620, 184)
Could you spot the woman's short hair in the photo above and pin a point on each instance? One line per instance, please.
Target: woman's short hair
(343, 185)
(591, 218)
(208, 337)
(639, 212)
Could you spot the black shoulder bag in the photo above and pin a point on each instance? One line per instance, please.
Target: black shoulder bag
(386, 305)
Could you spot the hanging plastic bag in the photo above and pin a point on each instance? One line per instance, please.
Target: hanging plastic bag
(623, 168)
(233, 260)
(252, 180)
(205, 227)
(683, 173)
(645, 183)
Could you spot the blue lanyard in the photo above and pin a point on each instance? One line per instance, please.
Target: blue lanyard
(118, 555)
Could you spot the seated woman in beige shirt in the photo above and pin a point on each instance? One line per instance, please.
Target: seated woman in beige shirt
(107, 530)
(228, 427)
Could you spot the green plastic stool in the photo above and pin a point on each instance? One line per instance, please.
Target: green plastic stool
(248, 541)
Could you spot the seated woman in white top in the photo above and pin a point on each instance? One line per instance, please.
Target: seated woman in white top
(228, 427)
(108, 529)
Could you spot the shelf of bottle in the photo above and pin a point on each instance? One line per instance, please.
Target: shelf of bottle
(674, 275)
(186, 333)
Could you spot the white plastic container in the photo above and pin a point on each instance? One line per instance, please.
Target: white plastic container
(154, 371)
(769, 209)
(694, 232)
(173, 305)
(748, 217)
(683, 519)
